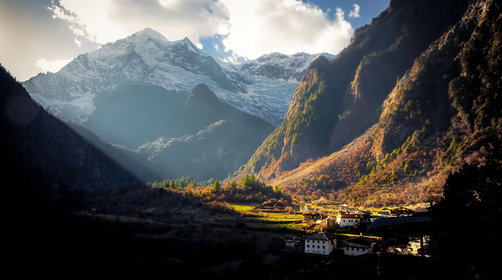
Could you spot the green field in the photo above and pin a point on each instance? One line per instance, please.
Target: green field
(242, 207)
(263, 218)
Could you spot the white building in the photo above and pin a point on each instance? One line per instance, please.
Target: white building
(348, 220)
(357, 246)
(319, 243)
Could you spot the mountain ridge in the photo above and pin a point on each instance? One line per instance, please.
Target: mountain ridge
(195, 135)
(330, 100)
(439, 113)
(260, 87)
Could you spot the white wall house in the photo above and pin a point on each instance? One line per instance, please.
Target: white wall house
(348, 220)
(319, 243)
(349, 250)
(356, 246)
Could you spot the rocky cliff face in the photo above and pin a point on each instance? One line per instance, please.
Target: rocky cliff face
(440, 112)
(443, 114)
(338, 100)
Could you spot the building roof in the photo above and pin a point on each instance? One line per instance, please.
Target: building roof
(394, 221)
(401, 210)
(318, 236)
(358, 242)
(352, 216)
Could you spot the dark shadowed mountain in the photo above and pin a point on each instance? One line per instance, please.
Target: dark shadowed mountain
(43, 150)
(181, 135)
(216, 138)
(404, 104)
(53, 173)
(132, 115)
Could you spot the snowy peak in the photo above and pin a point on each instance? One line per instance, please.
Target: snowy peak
(147, 33)
(261, 87)
(153, 39)
(150, 34)
(186, 42)
(279, 66)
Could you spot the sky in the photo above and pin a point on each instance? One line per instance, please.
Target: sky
(44, 35)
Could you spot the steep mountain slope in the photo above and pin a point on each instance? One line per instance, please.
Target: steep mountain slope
(337, 100)
(442, 113)
(211, 141)
(196, 135)
(131, 115)
(41, 149)
(446, 111)
(261, 87)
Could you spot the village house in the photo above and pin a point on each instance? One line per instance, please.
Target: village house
(384, 214)
(366, 217)
(312, 218)
(331, 222)
(315, 218)
(319, 243)
(401, 211)
(349, 219)
(357, 246)
(374, 218)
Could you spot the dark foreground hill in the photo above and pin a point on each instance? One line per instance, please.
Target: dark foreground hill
(42, 149)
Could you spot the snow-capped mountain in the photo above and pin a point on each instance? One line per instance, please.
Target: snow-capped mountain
(261, 87)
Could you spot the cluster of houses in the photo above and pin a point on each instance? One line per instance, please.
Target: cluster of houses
(326, 240)
(323, 243)
(349, 218)
(415, 247)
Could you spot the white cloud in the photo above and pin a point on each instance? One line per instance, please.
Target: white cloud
(105, 21)
(287, 26)
(77, 42)
(249, 28)
(355, 12)
(74, 22)
(233, 58)
(51, 65)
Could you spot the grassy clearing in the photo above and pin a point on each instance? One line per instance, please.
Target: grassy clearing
(280, 217)
(257, 217)
(242, 207)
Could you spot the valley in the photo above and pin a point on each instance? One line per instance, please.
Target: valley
(149, 158)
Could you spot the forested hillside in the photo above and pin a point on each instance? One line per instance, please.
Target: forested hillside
(408, 113)
(39, 149)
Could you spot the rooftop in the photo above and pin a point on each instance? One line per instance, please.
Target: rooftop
(399, 221)
(352, 215)
(358, 242)
(318, 236)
